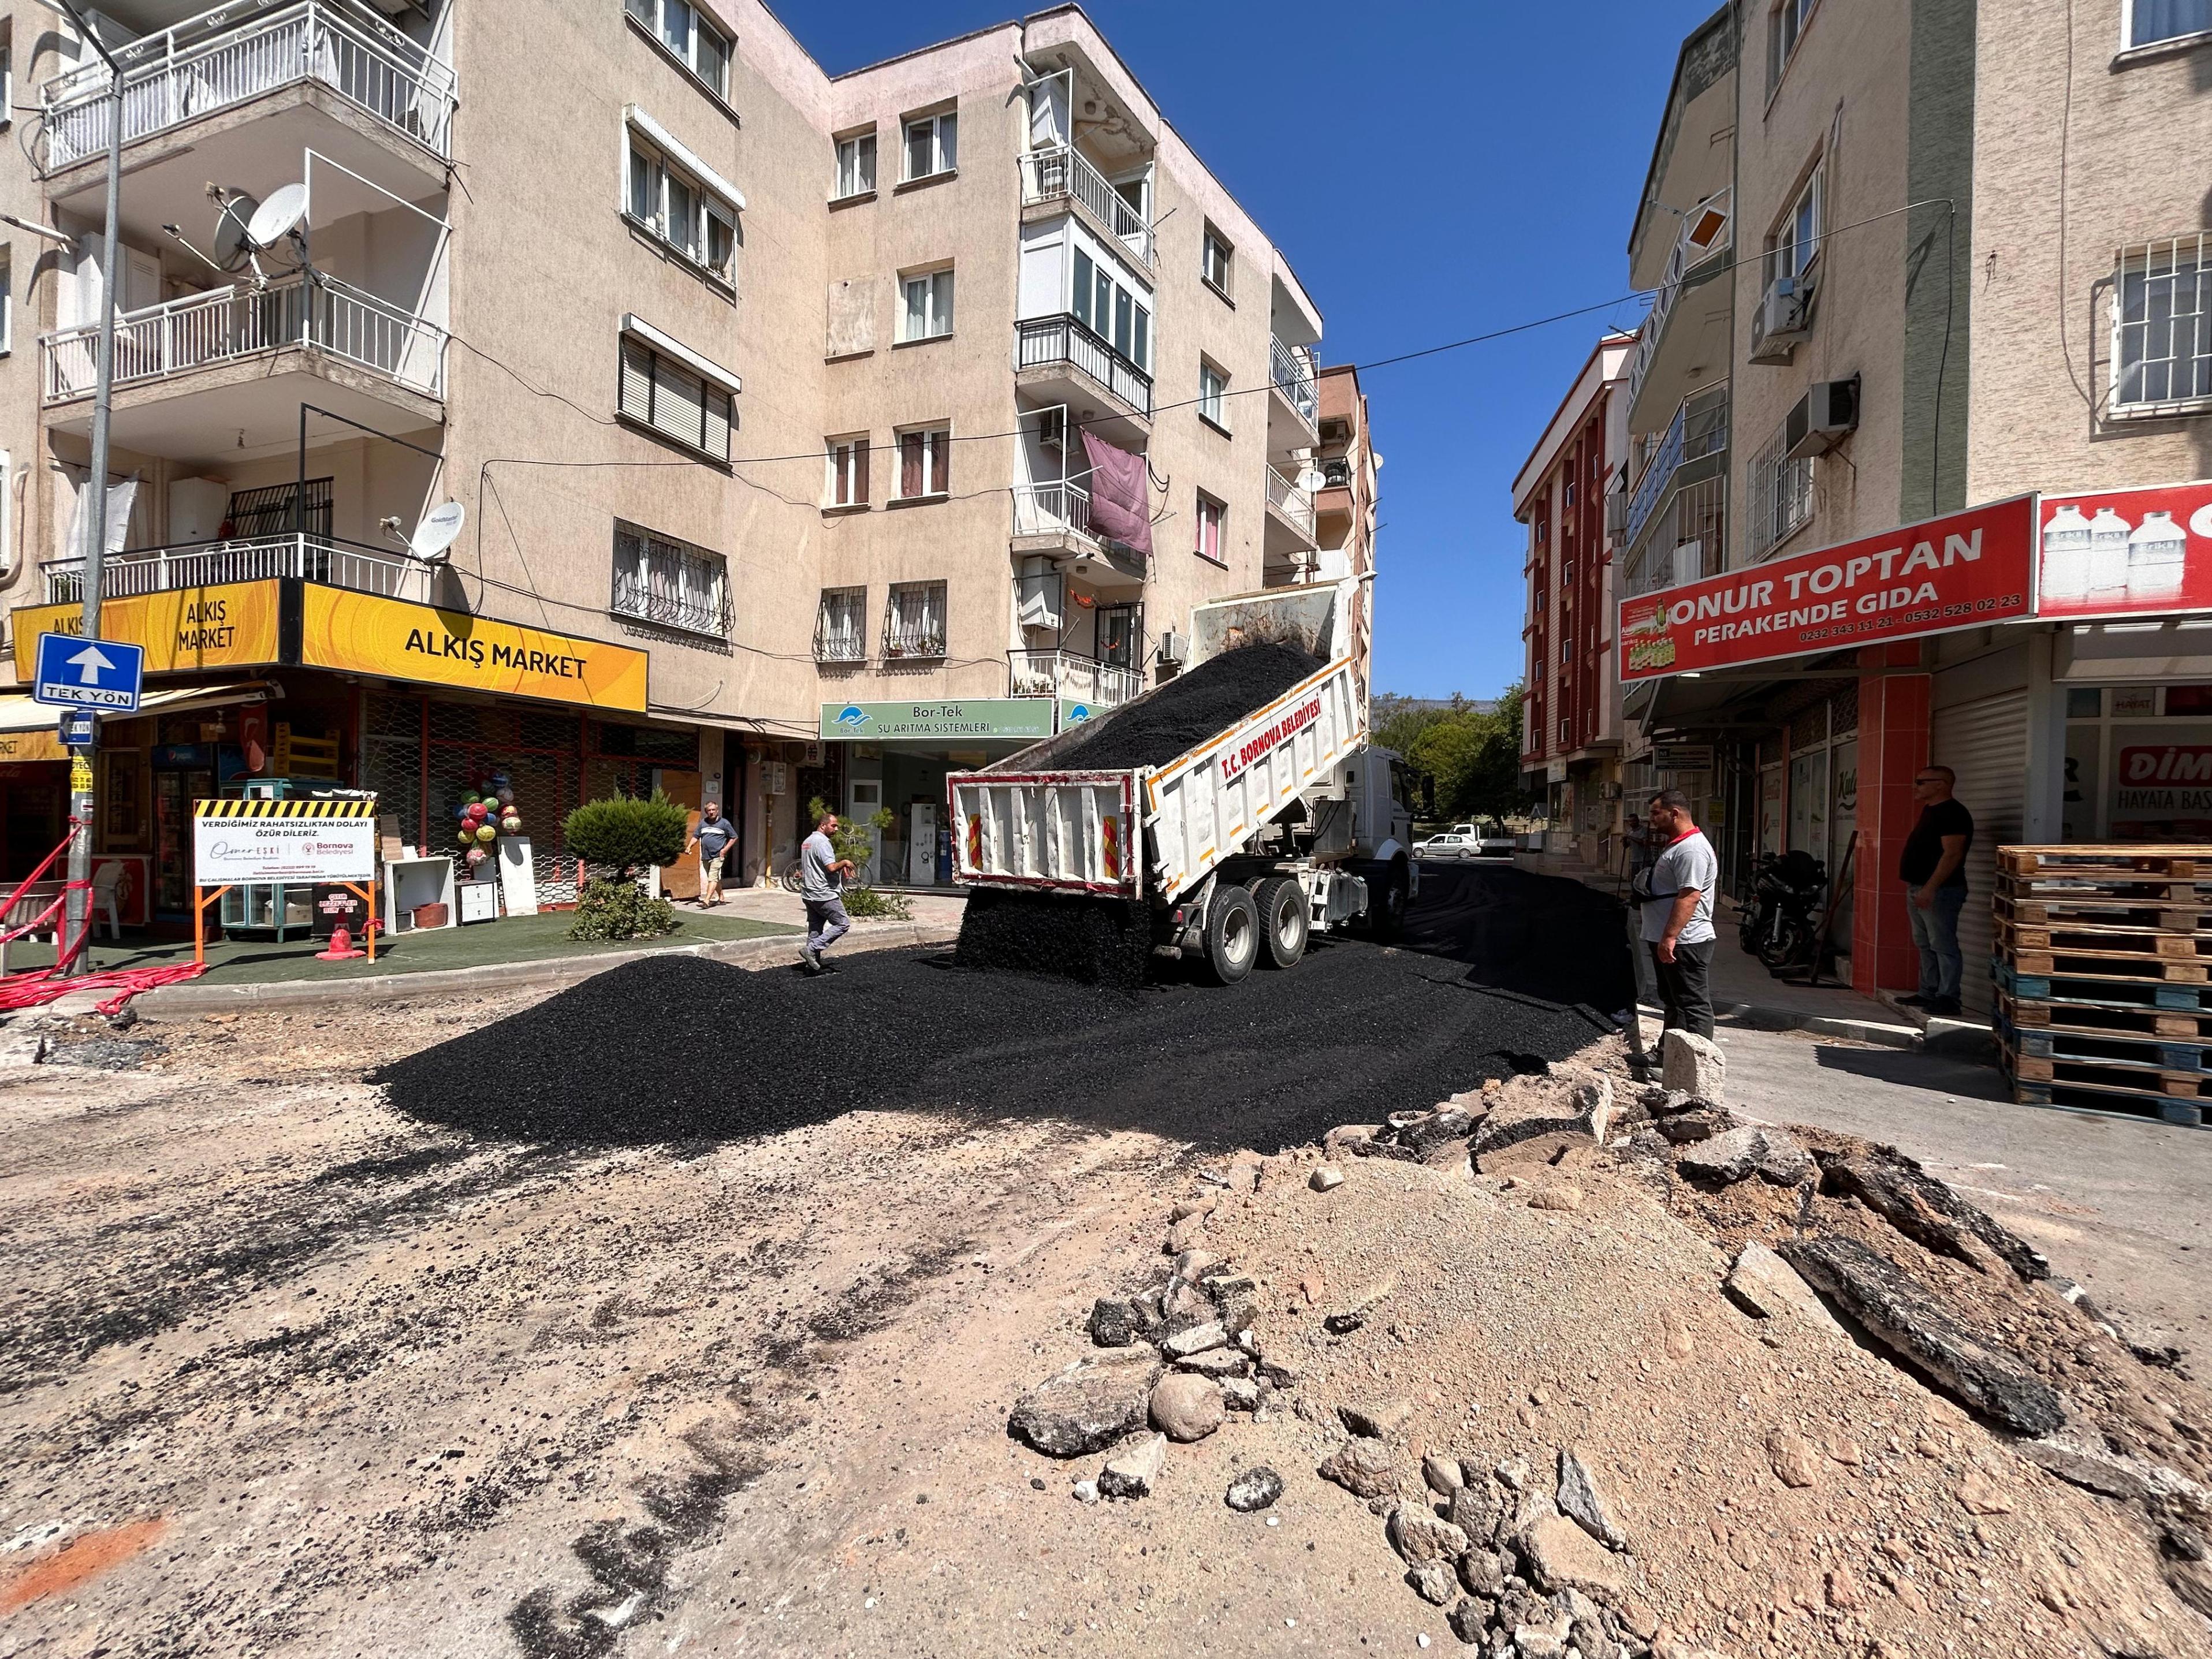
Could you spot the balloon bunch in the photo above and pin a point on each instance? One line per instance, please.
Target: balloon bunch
(486, 816)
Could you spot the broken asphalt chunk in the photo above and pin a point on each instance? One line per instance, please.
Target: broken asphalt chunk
(1088, 1407)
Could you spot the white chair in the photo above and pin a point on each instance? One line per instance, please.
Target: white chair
(105, 880)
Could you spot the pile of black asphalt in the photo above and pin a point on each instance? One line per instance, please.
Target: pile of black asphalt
(1542, 936)
(1187, 710)
(678, 1049)
(1094, 941)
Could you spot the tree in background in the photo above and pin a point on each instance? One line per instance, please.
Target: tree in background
(1471, 751)
(857, 840)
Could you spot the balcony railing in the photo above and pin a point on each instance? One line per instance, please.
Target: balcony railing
(1062, 172)
(1051, 507)
(1686, 539)
(1292, 368)
(1041, 341)
(1073, 675)
(228, 323)
(254, 558)
(1706, 229)
(1291, 500)
(187, 71)
(1699, 428)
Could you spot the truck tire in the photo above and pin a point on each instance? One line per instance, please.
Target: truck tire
(1232, 935)
(1281, 904)
(1385, 912)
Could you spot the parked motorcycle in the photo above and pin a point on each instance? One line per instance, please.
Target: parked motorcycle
(1779, 921)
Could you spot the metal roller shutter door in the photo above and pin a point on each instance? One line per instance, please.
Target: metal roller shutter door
(1986, 743)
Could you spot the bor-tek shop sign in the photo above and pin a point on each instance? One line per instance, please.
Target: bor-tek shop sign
(1269, 737)
(1964, 570)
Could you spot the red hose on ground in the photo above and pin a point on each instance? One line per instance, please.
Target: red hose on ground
(41, 986)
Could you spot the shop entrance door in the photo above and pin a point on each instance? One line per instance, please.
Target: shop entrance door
(867, 801)
(680, 880)
(32, 815)
(174, 791)
(1985, 743)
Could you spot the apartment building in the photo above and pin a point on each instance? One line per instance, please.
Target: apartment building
(1567, 495)
(1917, 286)
(810, 435)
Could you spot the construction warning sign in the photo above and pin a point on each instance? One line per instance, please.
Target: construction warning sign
(283, 841)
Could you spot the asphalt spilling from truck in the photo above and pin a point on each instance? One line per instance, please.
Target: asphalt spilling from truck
(1187, 710)
(675, 1050)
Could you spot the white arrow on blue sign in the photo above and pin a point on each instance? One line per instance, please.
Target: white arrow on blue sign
(78, 674)
(77, 730)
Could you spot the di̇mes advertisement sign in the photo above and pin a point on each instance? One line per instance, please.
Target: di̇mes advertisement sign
(1963, 570)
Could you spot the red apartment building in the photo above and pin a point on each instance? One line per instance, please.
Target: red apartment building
(1570, 716)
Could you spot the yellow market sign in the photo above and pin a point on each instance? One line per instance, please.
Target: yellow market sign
(43, 745)
(231, 626)
(365, 634)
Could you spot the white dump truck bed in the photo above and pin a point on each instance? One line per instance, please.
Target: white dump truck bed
(1154, 832)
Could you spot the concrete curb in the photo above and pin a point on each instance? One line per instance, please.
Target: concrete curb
(1754, 1017)
(196, 999)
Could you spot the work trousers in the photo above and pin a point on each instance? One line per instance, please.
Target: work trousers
(1936, 931)
(1685, 987)
(826, 922)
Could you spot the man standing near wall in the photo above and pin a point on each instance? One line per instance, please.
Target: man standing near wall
(1934, 868)
(713, 839)
(1678, 914)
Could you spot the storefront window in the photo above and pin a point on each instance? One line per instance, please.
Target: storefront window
(2141, 770)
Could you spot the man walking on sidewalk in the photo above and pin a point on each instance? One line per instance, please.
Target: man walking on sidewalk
(821, 884)
(1678, 916)
(713, 838)
(1934, 868)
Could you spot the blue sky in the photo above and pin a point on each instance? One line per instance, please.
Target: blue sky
(1431, 171)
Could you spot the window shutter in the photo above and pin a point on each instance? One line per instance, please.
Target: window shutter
(717, 440)
(910, 463)
(636, 381)
(679, 403)
(860, 470)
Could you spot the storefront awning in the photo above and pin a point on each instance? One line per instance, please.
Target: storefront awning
(22, 713)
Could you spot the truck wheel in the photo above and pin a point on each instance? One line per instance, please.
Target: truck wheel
(1232, 935)
(1281, 904)
(1386, 914)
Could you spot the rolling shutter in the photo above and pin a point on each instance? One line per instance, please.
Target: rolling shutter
(1986, 743)
(636, 381)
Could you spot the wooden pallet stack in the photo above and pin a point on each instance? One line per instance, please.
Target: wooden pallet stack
(2104, 975)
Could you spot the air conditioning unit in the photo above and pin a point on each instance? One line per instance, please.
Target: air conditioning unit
(1175, 648)
(1823, 418)
(1336, 430)
(1784, 317)
(1616, 512)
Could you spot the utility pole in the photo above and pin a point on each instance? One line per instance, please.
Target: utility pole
(84, 804)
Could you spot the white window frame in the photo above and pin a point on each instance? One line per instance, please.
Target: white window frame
(925, 628)
(2130, 11)
(936, 461)
(849, 472)
(657, 171)
(653, 17)
(1212, 515)
(943, 145)
(856, 167)
(1786, 22)
(1209, 242)
(1212, 394)
(2188, 332)
(669, 583)
(7, 304)
(841, 625)
(925, 301)
(1794, 246)
(1099, 293)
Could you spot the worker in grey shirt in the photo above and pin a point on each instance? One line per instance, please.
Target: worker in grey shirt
(821, 884)
(1677, 898)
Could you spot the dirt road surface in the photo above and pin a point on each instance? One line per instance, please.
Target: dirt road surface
(284, 1370)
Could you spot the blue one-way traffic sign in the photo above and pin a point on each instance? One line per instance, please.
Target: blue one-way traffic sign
(76, 732)
(87, 673)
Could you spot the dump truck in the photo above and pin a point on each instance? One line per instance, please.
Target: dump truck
(1282, 824)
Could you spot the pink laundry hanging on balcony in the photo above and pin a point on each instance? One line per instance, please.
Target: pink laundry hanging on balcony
(1120, 503)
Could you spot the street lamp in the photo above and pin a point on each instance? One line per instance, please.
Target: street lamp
(75, 910)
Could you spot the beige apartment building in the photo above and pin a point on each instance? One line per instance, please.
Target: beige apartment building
(1914, 257)
(811, 436)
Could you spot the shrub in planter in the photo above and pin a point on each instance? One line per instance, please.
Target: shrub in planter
(627, 833)
(856, 840)
(617, 907)
(868, 904)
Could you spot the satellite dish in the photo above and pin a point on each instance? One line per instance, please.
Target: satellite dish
(275, 218)
(440, 527)
(231, 220)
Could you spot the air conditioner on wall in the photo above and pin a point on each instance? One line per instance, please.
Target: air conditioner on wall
(1822, 418)
(1175, 648)
(1783, 318)
(1616, 512)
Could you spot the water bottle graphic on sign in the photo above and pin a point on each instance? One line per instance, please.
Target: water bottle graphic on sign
(2065, 575)
(2156, 555)
(2108, 556)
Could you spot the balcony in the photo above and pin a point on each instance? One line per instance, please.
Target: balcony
(1686, 539)
(1054, 517)
(255, 558)
(198, 69)
(1061, 172)
(1693, 447)
(1072, 675)
(1060, 361)
(1665, 353)
(226, 323)
(1293, 405)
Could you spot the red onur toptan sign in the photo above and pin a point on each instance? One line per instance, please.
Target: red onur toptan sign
(1964, 570)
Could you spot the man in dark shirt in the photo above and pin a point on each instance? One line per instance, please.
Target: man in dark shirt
(1934, 869)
